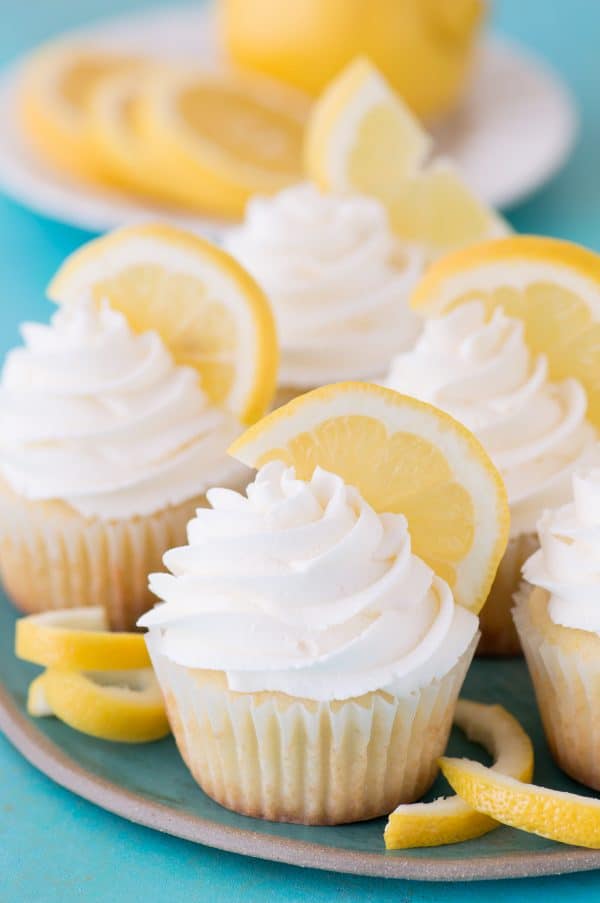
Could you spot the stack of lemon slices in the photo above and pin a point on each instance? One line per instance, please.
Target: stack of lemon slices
(195, 140)
(207, 142)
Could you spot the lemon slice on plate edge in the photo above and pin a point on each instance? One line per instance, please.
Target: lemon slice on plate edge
(451, 819)
(121, 706)
(96, 681)
(55, 88)
(78, 639)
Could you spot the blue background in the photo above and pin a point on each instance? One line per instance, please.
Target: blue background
(56, 847)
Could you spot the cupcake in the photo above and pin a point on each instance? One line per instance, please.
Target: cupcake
(558, 620)
(481, 371)
(107, 448)
(338, 282)
(309, 660)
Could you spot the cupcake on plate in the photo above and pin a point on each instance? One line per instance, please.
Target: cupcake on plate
(558, 620)
(107, 448)
(309, 656)
(116, 417)
(338, 281)
(310, 662)
(482, 372)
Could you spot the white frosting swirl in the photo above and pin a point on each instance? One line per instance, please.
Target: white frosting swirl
(337, 278)
(103, 419)
(483, 374)
(568, 561)
(301, 587)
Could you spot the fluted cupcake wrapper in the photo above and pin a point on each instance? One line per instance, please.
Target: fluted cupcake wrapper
(282, 758)
(498, 633)
(52, 557)
(567, 688)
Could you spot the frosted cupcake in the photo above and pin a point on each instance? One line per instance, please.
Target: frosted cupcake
(338, 282)
(536, 432)
(107, 447)
(309, 660)
(559, 625)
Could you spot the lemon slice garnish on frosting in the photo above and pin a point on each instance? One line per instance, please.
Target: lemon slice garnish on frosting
(362, 137)
(555, 814)
(122, 706)
(403, 456)
(207, 309)
(553, 286)
(78, 639)
(451, 819)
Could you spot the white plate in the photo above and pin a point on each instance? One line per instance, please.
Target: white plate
(513, 131)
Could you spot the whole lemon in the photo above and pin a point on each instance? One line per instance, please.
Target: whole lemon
(423, 47)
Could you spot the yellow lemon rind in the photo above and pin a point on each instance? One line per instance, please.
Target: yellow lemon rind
(114, 712)
(78, 639)
(451, 820)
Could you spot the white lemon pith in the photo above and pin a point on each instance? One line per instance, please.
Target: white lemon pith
(403, 456)
(553, 286)
(451, 819)
(362, 137)
(78, 638)
(209, 312)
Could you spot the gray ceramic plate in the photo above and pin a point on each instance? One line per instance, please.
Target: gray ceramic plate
(149, 784)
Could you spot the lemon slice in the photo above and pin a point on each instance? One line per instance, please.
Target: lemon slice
(224, 138)
(555, 814)
(403, 456)
(209, 312)
(56, 85)
(78, 638)
(552, 285)
(123, 706)
(128, 161)
(451, 820)
(362, 137)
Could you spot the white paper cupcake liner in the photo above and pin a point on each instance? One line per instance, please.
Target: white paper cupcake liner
(277, 757)
(565, 670)
(52, 557)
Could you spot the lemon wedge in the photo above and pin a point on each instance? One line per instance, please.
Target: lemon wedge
(553, 286)
(122, 706)
(451, 819)
(208, 310)
(403, 456)
(362, 137)
(79, 639)
(555, 814)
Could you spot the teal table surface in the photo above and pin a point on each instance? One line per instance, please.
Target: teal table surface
(57, 847)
